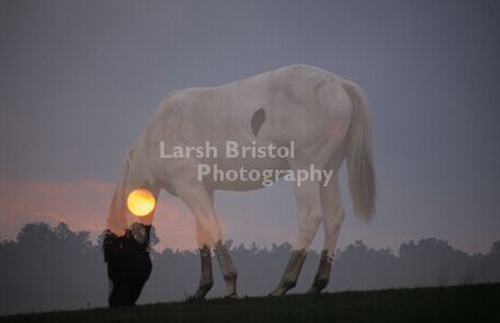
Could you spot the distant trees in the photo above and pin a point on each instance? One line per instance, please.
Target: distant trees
(495, 249)
(56, 268)
(48, 268)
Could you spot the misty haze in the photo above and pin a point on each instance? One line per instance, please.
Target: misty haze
(407, 90)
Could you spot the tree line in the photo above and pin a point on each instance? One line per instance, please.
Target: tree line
(48, 268)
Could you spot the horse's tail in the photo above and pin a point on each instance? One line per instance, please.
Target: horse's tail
(360, 160)
(117, 221)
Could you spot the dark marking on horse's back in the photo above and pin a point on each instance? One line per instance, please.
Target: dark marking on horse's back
(257, 121)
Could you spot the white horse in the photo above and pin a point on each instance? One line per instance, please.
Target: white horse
(325, 117)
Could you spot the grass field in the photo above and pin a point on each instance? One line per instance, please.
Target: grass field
(476, 303)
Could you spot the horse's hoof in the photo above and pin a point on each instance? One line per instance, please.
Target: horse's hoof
(231, 296)
(318, 286)
(197, 297)
(313, 291)
(194, 299)
(277, 292)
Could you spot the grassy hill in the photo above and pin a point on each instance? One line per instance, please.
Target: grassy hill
(476, 303)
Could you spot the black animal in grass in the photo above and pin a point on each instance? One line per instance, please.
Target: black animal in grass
(129, 264)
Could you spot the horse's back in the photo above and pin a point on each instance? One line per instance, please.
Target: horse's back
(295, 99)
(296, 103)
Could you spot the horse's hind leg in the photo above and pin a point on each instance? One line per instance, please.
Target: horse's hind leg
(310, 215)
(333, 216)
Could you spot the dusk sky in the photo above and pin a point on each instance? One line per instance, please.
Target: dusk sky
(79, 81)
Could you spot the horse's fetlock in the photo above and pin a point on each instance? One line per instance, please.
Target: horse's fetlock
(231, 275)
(289, 283)
(321, 282)
(207, 284)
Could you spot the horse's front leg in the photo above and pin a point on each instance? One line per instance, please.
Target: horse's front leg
(200, 201)
(206, 277)
(228, 269)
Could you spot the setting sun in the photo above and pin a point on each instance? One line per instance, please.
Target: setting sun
(141, 202)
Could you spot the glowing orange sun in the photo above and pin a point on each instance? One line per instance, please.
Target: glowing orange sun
(141, 202)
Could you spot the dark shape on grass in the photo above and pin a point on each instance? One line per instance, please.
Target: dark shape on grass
(129, 264)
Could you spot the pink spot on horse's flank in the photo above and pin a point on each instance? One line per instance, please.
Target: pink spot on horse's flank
(335, 129)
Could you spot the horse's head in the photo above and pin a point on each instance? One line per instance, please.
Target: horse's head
(126, 242)
(129, 264)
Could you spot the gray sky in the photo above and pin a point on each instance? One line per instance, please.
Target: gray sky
(79, 81)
